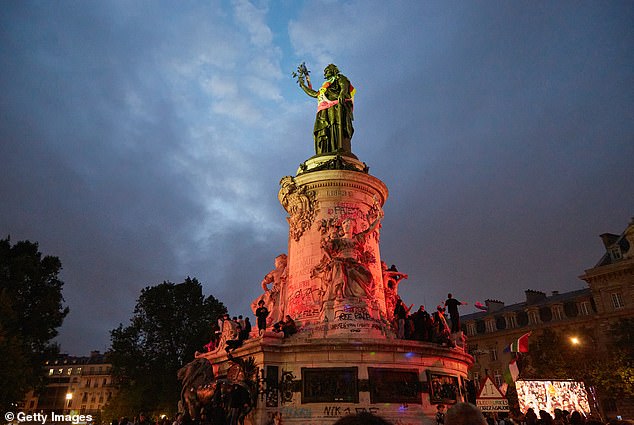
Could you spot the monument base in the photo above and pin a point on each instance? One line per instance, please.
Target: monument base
(315, 380)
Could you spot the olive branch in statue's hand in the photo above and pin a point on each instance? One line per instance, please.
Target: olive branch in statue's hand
(301, 73)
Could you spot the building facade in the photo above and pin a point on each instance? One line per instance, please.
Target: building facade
(74, 386)
(608, 297)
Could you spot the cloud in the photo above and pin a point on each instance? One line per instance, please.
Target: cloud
(144, 142)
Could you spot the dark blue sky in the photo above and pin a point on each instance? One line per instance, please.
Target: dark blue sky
(144, 141)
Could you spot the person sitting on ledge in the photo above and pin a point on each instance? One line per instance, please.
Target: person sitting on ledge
(288, 327)
(232, 344)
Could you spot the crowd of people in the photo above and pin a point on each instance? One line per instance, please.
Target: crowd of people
(420, 325)
(240, 329)
(423, 326)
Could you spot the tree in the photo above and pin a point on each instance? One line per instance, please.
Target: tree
(31, 310)
(170, 322)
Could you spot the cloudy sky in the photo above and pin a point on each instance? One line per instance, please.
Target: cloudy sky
(144, 141)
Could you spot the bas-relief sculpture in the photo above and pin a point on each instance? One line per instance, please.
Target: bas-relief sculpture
(344, 270)
(272, 297)
(300, 204)
(335, 102)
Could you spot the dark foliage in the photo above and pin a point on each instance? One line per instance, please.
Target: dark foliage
(170, 322)
(31, 310)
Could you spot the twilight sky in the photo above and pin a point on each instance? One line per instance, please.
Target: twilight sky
(144, 141)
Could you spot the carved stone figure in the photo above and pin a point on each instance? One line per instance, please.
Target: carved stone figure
(344, 267)
(391, 279)
(335, 100)
(194, 375)
(272, 296)
(300, 204)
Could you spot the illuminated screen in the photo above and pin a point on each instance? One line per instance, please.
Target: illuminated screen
(551, 395)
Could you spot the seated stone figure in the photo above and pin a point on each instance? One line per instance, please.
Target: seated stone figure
(271, 297)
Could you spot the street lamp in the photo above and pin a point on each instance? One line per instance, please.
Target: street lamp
(69, 399)
(574, 340)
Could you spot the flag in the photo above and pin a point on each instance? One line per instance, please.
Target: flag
(481, 306)
(514, 370)
(511, 372)
(519, 346)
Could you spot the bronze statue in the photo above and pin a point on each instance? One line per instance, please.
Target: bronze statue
(335, 100)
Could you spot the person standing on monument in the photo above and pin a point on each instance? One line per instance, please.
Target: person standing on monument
(452, 305)
(261, 313)
(335, 100)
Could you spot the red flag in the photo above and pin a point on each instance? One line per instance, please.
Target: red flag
(519, 346)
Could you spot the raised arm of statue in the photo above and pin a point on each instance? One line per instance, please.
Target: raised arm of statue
(269, 278)
(310, 92)
(372, 226)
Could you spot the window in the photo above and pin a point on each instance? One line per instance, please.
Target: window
(557, 313)
(584, 308)
(490, 325)
(476, 376)
(615, 253)
(69, 371)
(511, 321)
(493, 353)
(533, 317)
(51, 372)
(471, 329)
(617, 301)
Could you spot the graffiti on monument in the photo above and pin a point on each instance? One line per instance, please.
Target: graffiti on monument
(337, 411)
(327, 385)
(344, 210)
(296, 412)
(286, 387)
(305, 303)
(443, 388)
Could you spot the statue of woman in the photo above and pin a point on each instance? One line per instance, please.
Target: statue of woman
(333, 122)
(344, 267)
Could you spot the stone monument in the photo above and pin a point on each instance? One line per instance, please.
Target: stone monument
(344, 357)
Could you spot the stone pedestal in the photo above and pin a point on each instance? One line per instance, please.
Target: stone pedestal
(309, 379)
(345, 357)
(319, 200)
